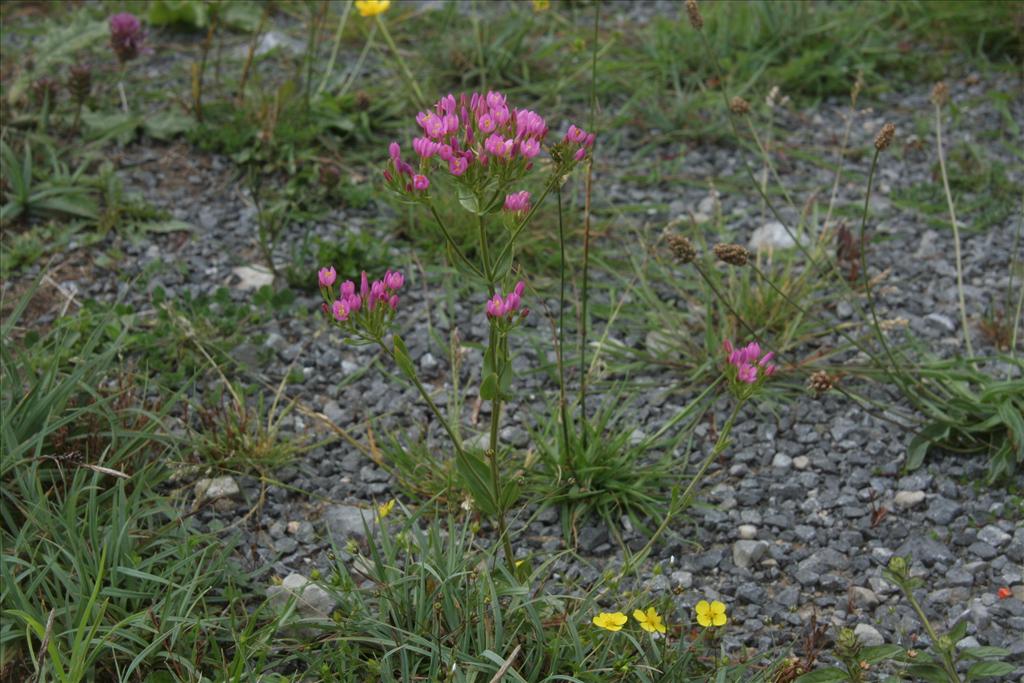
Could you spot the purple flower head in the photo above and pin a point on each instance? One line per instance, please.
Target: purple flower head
(749, 363)
(395, 152)
(425, 147)
(529, 148)
(126, 36)
(348, 288)
(340, 311)
(420, 182)
(394, 281)
(458, 165)
(432, 124)
(506, 307)
(486, 123)
(327, 276)
(495, 100)
(498, 146)
(518, 202)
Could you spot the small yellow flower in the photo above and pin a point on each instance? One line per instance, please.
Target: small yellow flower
(611, 621)
(710, 614)
(371, 8)
(541, 5)
(650, 620)
(385, 509)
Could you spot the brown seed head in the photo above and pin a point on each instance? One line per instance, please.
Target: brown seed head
(738, 105)
(79, 82)
(940, 94)
(820, 383)
(696, 20)
(733, 254)
(885, 136)
(682, 248)
(45, 89)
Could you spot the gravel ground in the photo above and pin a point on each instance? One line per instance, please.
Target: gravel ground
(795, 527)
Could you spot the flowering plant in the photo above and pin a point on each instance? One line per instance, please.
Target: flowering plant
(481, 149)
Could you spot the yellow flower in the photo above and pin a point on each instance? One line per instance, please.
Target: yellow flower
(650, 620)
(385, 509)
(541, 5)
(612, 621)
(712, 614)
(371, 8)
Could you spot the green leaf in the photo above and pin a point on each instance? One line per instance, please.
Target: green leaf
(825, 675)
(189, 12)
(476, 477)
(468, 200)
(927, 672)
(170, 225)
(878, 653)
(922, 441)
(402, 358)
(113, 125)
(986, 669)
(489, 388)
(168, 124)
(985, 652)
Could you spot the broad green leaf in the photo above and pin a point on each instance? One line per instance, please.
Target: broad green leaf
(988, 669)
(985, 652)
(168, 124)
(879, 653)
(927, 672)
(922, 441)
(476, 477)
(489, 388)
(188, 12)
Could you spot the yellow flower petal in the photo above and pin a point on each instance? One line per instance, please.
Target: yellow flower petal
(703, 610)
(610, 621)
(385, 509)
(718, 617)
(649, 621)
(371, 8)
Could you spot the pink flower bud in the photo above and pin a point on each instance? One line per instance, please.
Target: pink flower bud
(530, 148)
(364, 285)
(458, 165)
(393, 302)
(394, 281)
(348, 288)
(517, 202)
(394, 151)
(327, 276)
(519, 288)
(420, 182)
(580, 153)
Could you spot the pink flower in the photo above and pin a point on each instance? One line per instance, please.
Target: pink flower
(348, 288)
(395, 152)
(420, 182)
(126, 36)
(747, 373)
(393, 281)
(486, 124)
(340, 311)
(458, 165)
(327, 276)
(748, 361)
(530, 147)
(425, 147)
(499, 307)
(580, 153)
(518, 202)
(498, 146)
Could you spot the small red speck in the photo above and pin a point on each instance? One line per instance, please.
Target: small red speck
(1004, 593)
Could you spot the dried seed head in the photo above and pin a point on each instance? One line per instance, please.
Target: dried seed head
(682, 248)
(79, 82)
(738, 105)
(885, 136)
(820, 383)
(45, 89)
(696, 20)
(940, 94)
(733, 254)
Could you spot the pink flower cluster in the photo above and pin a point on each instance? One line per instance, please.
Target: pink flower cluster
(517, 202)
(506, 307)
(383, 292)
(126, 36)
(749, 363)
(473, 130)
(578, 136)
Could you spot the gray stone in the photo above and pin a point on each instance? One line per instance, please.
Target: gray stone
(516, 436)
(216, 488)
(681, 579)
(772, 235)
(782, 461)
(746, 553)
(943, 511)
(311, 601)
(286, 545)
(801, 462)
(747, 531)
(926, 550)
(868, 635)
(982, 550)
(788, 597)
(346, 522)
(908, 499)
(865, 598)
(428, 363)
(658, 583)
(942, 322)
(993, 535)
(252, 277)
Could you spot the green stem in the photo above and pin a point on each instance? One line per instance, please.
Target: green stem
(336, 46)
(956, 232)
(410, 81)
(454, 246)
(426, 397)
(681, 502)
(494, 341)
(485, 255)
(567, 459)
(947, 662)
